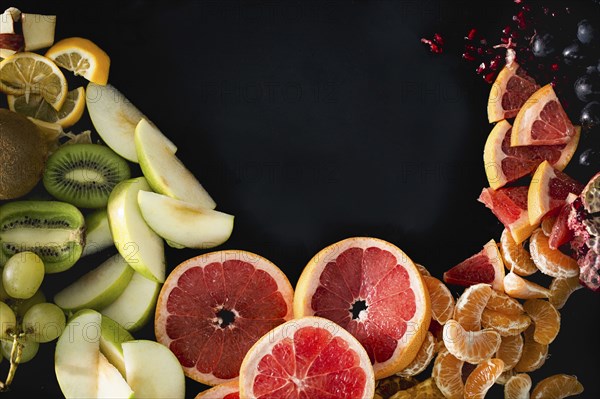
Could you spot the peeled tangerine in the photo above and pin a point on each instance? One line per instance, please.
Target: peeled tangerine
(482, 378)
(517, 387)
(470, 346)
(557, 387)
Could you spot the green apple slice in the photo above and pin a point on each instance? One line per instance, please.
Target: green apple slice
(115, 119)
(76, 355)
(152, 370)
(112, 335)
(97, 233)
(183, 223)
(141, 247)
(164, 171)
(135, 307)
(111, 383)
(38, 30)
(97, 288)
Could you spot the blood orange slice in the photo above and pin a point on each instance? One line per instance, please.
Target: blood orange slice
(485, 266)
(229, 390)
(214, 307)
(542, 121)
(505, 164)
(509, 204)
(372, 289)
(509, 92)
(310, 357)
(548, 191)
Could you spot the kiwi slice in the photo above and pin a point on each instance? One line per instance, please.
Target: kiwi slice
(53, 230)
(84, 174)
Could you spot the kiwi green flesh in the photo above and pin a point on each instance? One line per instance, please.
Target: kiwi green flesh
(53, 230)
(84, 174)
(23, 152)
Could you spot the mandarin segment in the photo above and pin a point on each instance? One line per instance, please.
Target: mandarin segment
(423, 358)
(561, 289)
(510, 350)
(506, 325)
(517, 387)
(501, 302)
(422, 269)
(470, 305)
(516, 258)
(551, 262)
(546, 320)
(442, 300)
(534, 354)
(518, 287)
(447, 374)
(558, 386)
(482, 378)
(505, 376)
(470, 346)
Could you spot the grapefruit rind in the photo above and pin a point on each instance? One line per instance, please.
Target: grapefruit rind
(495, 110)
(264, 346)
(220, 390)
(529, 113)
(160, 321)
(409, 345)
(538, 200)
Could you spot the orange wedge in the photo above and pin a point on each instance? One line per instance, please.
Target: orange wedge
(423, 358)
(516, 258)
(470, 346)
(510, 351)
(542, 121)
(442, 300)
(561, 289)
(506, 325)
(447, 374)
(517, 387)
(551, 262)
(557, 386)
(482, 378)
(470, 305)
(546, 320)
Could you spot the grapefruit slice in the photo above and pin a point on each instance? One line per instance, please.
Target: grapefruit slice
(310, 357)
(214, 307)
(505, 164)
(542, 121)
(486, 266)
(372, 289)
(509, 92)
(228, 390)
(548, 192)
(509, 204)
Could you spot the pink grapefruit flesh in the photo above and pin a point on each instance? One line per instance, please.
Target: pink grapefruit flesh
(372, 289)
(307, 358)
(486, 266)
(509, 205)
(214, 307)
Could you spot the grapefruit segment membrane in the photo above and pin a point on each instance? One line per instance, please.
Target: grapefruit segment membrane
(308, 357)
(229, 390)
(486, 266)
(505, 164)
(372, 289)
(511, 89)
(212, 308)
(542, 121)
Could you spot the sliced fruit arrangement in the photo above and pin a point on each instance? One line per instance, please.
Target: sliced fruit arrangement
(98, 207)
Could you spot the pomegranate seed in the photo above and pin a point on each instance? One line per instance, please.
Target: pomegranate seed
(468, 57)
(471, 35)
(489, 77)
(438, 39)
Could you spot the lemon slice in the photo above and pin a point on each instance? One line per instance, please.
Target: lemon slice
(38, 108)
(30, 73)
(82, 57)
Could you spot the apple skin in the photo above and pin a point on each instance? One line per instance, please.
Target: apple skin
(112, 335)
(76, 355)
(135, 307)
(111, 383)
(115, 119)
(184, 224)
(166, 174)
(97, 288)
(141, 247)
(152, 370)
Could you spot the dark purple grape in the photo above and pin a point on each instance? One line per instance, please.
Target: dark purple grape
(574, 54)
(587, 87)
(543, 44)
(587, 32)
(590, 114)
(590, 157)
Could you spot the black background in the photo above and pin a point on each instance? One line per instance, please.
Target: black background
(312, 122)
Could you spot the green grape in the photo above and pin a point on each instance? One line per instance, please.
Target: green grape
(28, 351)
(44, 322)
(23, 274)
(21, 306)
(8, 320)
